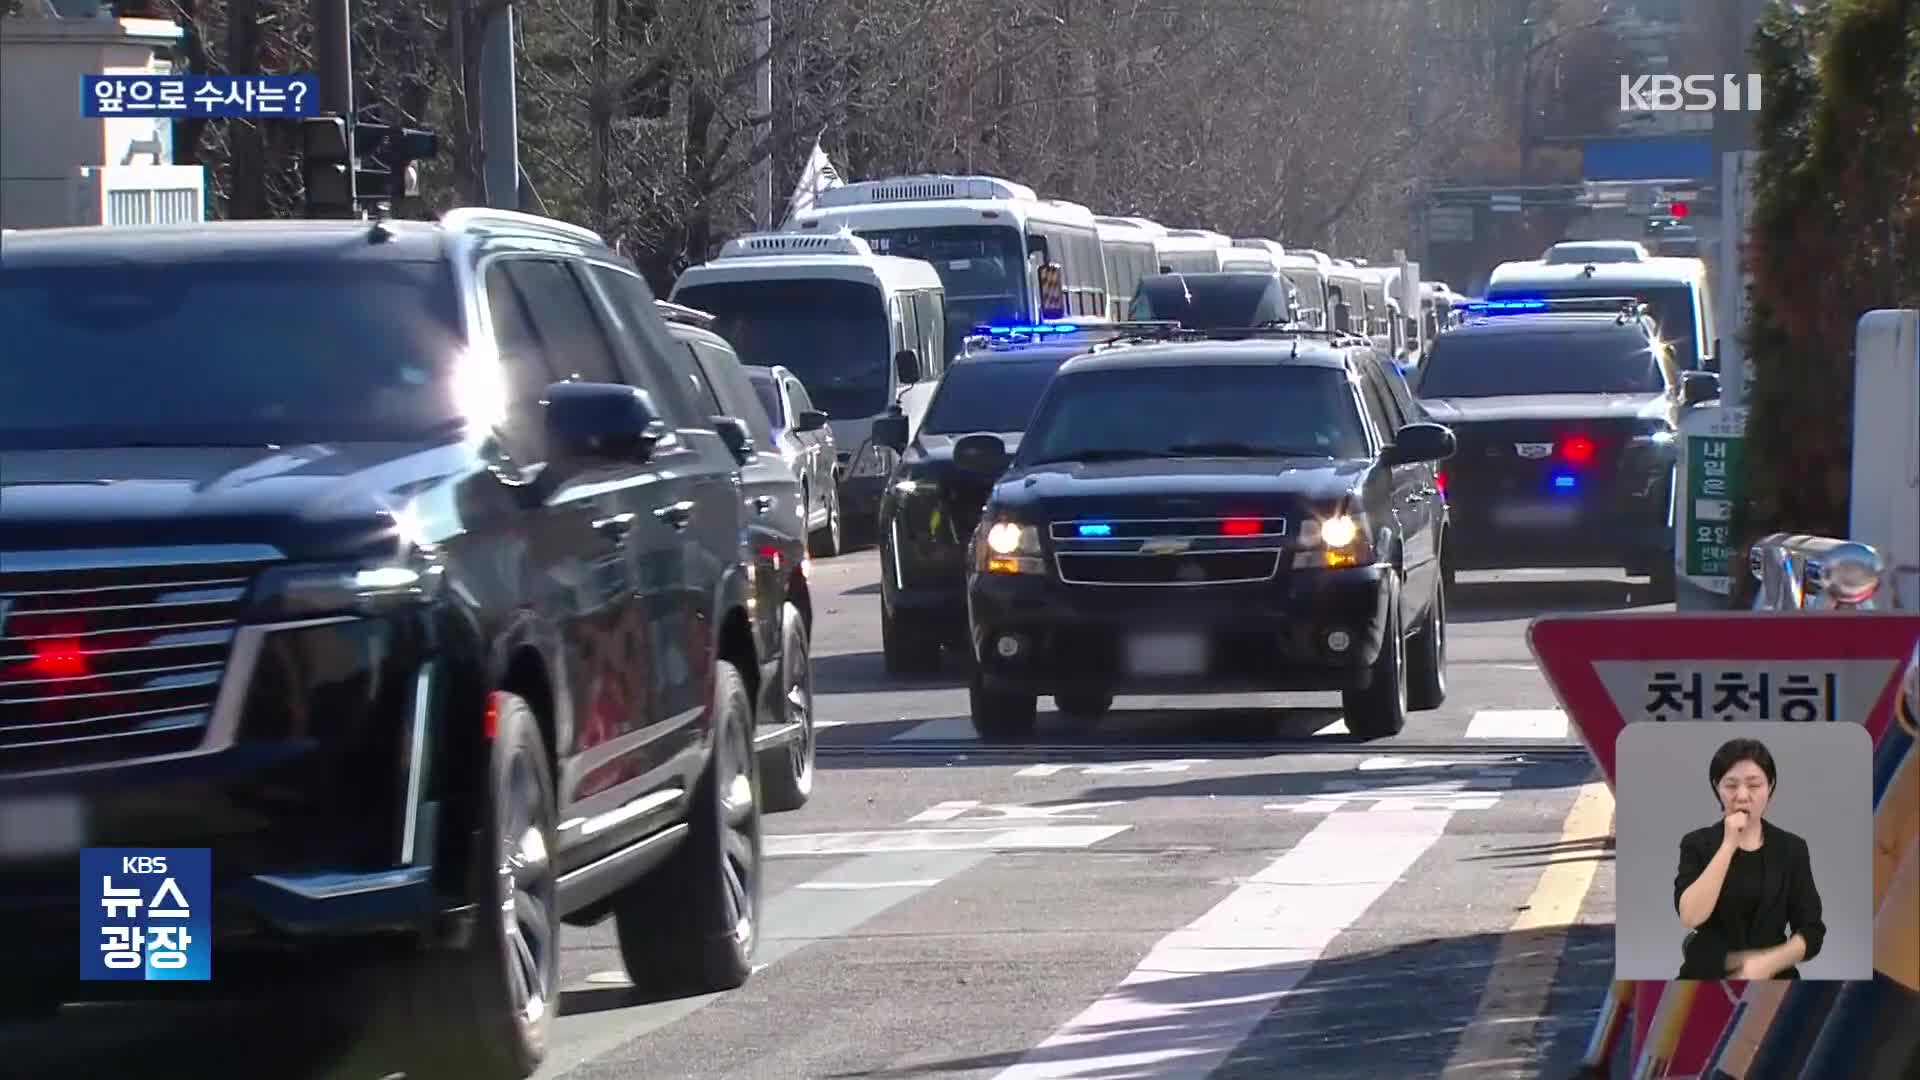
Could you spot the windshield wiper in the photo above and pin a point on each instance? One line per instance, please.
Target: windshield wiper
(1237, 449)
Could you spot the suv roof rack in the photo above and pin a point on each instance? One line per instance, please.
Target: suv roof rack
(1290, 330)
(487, 219)
(684, 315)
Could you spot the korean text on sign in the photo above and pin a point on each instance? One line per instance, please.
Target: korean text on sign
(1798, 697)
(145, 914)
(199, 95)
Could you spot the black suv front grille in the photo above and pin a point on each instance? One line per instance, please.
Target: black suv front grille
(104, 664)
(1192, 568)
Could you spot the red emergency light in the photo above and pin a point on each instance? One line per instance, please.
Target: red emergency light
(1678, 210)
(1577, 450)
(1240, 527)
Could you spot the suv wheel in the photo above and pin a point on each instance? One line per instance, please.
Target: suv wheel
(1380, 710)
(1427, 663)
(1001, 715)
(690, 926)
(827, 542)
(906, 652)
(787, 770)
(1084, 705)
(498, 993)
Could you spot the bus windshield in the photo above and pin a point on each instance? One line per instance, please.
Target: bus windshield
(983, 267)
(831, 334)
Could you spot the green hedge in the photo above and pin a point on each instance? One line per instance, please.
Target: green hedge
(1835, 232)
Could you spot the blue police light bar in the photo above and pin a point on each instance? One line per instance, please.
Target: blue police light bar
(1016, 331)
(1096, 529)
(1566, 482)
(1489, 307)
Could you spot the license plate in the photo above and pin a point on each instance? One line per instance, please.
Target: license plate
(55, 825)
(1162, 654)
(1535, 515)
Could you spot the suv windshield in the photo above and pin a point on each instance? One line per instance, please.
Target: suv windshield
(227, 352)
(831, 334)
(983, 268)
(1556, 361)
(1671, 307)
(1203, 410)
(989, 395)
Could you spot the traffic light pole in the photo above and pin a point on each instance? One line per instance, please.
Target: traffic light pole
(333, 54)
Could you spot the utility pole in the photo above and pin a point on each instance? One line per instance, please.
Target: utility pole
(500, 111)
(762, 46)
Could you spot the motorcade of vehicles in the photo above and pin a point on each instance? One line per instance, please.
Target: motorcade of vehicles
(1566, 414)
(391, 563)
(1203, 515)
(863, 331)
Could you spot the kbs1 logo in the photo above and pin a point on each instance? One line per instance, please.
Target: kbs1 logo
(146, 914)
(1693, 93)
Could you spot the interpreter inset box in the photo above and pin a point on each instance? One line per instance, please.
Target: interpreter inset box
(1744, 850)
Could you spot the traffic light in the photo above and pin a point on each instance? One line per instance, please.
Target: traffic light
(326, 164)
(385, 152)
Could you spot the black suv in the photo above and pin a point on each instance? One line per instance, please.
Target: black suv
(1211, 515)
(776, 515)
(930, 508)
(396, 564)
(1566, 412)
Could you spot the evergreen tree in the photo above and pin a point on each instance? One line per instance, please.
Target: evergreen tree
(1835, 232)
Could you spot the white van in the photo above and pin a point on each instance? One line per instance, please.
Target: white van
(1675, 290)
(863, 333)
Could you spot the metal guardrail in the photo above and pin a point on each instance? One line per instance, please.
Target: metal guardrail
(1819, 573)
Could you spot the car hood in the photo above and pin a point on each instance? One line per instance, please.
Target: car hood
(1543, 407)
(1178, 487)
(315, 501)
(939, 448)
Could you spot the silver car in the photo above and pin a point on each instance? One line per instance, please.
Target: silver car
(801, 434)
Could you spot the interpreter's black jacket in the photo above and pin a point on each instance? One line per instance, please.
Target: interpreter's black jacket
(1768, 895)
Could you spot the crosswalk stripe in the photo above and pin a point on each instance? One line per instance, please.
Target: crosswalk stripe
(1517, 724)
(1233, 964)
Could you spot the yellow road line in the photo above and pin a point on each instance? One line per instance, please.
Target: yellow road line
(1499, 1040)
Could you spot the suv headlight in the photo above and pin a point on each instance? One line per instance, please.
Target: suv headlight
(315, 590)
(1333, 542)
(1008, 547)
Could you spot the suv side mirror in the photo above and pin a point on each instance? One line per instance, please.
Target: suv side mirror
(906, 366)
(984, 455)
(738, 437)
(1698, 386)
(890, 432)
(1420, 442)
(809, 420)
(602, 422)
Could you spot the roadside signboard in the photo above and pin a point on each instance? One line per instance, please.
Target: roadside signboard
(1712, 445)
(1612, 670)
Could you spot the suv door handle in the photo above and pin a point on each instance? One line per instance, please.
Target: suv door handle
(617, 526)
(762, 503)
(676, 515)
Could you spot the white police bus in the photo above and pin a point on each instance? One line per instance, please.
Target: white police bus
(862, 332)
(993, 242)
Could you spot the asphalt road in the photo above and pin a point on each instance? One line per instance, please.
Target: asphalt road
(1237, 889)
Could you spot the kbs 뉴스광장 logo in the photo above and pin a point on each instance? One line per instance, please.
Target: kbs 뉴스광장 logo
(146, 914)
